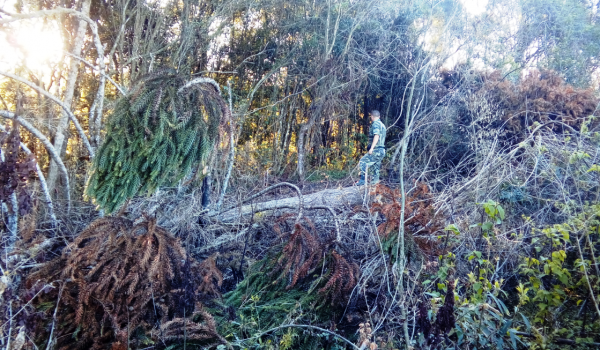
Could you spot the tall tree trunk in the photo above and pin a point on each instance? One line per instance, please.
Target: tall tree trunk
(301, 146)
(60, 139)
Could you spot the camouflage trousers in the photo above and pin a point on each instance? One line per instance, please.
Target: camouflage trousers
(370, 163)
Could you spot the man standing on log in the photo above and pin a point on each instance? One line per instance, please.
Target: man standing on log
(371, 162)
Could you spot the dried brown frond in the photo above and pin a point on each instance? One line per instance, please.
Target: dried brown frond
(542, 97)
(343, 279)
(280, 221)
(420, 218)
(299, 256)
(119, 276)
(304, 253)
(212, 277)
(199, 329)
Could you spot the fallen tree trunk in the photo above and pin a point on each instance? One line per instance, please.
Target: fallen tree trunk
(332, 198)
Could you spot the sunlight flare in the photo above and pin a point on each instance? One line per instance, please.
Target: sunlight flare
(31, 43)
(474, 7)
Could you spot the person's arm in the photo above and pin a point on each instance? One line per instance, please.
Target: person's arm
(375, 140)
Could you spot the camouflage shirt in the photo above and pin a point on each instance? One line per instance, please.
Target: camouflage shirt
(377, 128)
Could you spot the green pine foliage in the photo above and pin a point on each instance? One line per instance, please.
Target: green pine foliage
(155, 136)
(263, 302)
(304, 281)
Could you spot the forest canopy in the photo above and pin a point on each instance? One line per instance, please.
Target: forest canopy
(183, 174)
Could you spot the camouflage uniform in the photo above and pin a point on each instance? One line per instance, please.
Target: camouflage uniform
(373, 161)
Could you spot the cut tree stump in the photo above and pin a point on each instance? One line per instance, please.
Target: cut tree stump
(330, 198)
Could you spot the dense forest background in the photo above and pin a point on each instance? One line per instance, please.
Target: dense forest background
(179, 174)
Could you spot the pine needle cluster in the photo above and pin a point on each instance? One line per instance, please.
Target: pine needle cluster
(123, 282)
(155, 136)
(541, 96)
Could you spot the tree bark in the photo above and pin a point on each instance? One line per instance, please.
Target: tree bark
(47, 144)
(42, 180)
(61, 130)
(302, 133)
(231, 149)
(11, 210)
(332, 198)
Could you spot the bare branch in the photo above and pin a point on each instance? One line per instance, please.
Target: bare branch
(119, 87)
(201, 80)
(59, 102)
(42, 178)
(99, 48)
(44, 187)
(49, 147)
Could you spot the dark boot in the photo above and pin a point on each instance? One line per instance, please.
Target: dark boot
(361, 182)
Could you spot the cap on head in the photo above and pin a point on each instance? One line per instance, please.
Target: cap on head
(375, 113)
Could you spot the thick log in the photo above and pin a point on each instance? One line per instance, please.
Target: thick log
(332, 198)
